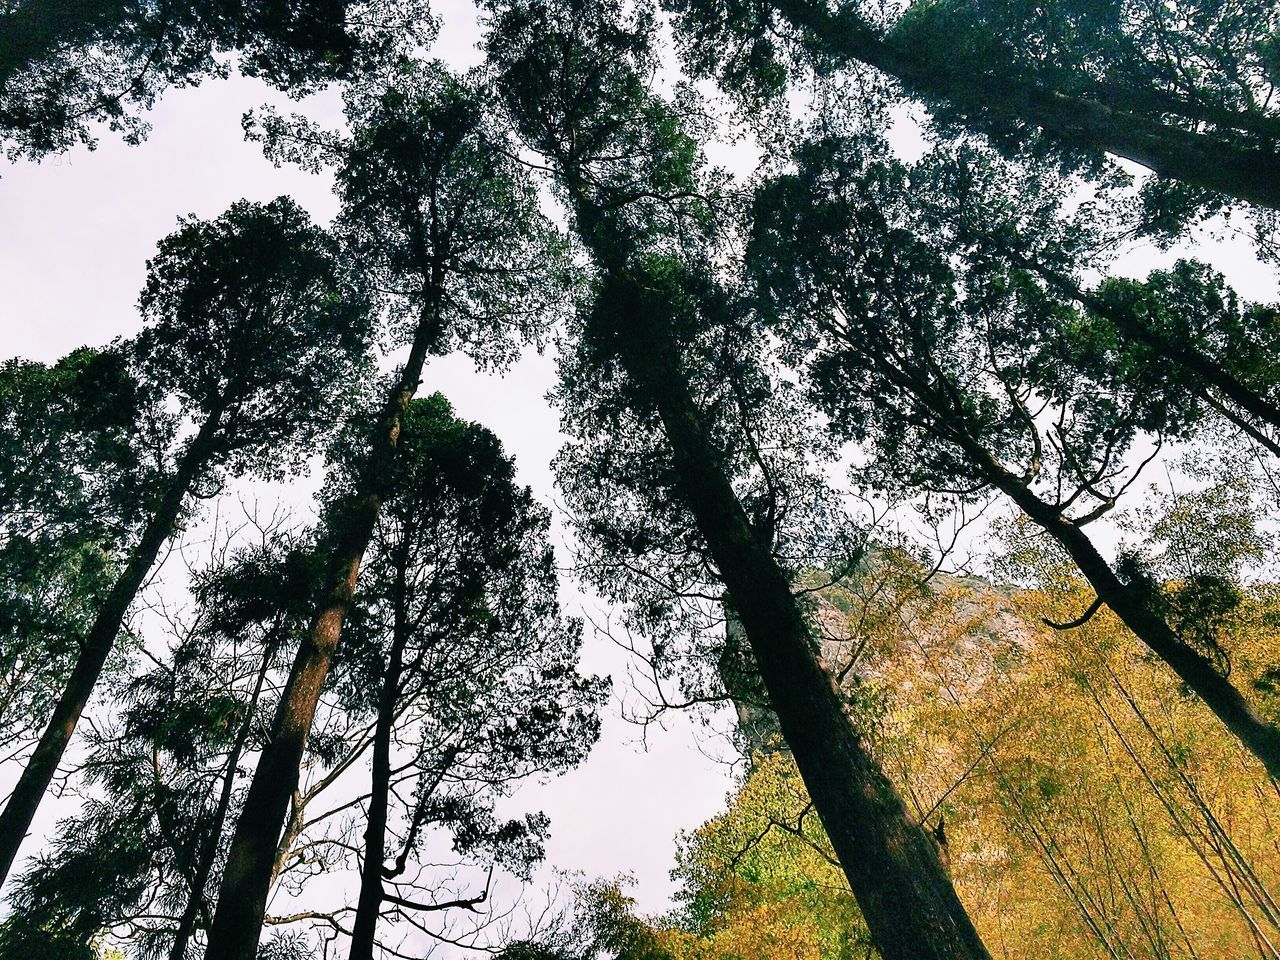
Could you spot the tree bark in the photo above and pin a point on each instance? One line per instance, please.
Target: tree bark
(242, 895)
(369, 906)
(1247, 173)
(42, 767)
(903, 891)
(893, 868)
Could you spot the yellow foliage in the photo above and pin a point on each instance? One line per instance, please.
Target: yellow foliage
(1088, 805)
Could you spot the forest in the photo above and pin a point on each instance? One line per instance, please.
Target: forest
(915, 386)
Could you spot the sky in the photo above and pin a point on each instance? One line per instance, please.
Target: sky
(75, 233)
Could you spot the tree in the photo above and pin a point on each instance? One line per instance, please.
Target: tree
(257, 334)
(160, 780)
(446, 226)
(761, 880)
(1182, 333)
(572, 77)
(459, 651)
(68, 490)
(66, 65)
(957, 373)
(1186, 92)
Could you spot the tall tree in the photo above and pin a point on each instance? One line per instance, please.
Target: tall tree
(159, 780)
(256, 333)
(1186, 91)
(446, 224)
(573, 76)
(961, 374)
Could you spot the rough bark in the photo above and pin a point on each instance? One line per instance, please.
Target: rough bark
(905, 895)
(1201, 160)
(242, 895)
(42, 767)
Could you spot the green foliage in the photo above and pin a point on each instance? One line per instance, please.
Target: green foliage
(1167, 87)
(72, 473)
(458, 654)
(655, 219)
(257, 330)
(954, 342)
(925, 322)
(443, 221)
(68, 65)
(154, 776)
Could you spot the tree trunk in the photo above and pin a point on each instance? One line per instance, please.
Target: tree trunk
(42, 767)
(209, 847)
(1133, 607)
(905, 895)
(1251, 174)
(369, 906)
(242, 895)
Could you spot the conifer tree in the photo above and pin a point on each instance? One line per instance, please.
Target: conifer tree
(961, 373)
(69, 484)
(68, 65)
(1189, 95)
(573, 77)
(256, 333)
(460, 653)
(161, 777)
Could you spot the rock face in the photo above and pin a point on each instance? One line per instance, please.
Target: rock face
(879, 621)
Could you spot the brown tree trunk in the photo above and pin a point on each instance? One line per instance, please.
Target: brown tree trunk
(41, 768)
(1133, 607)
(1251, 174)
(905, 895)
(903, 891)
(242, 895)
(369, 906)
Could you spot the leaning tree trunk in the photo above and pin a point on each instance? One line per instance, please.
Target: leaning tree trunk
(1133, 606)
(1247, 173)
(905, 895)
(894, 870)
(1199, 365)
(42, 767)
(246, 880)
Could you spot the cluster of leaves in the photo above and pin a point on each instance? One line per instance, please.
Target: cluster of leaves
(67, 66)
